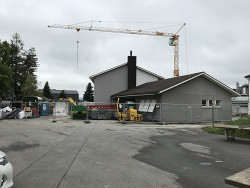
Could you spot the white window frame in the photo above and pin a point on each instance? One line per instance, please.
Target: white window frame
(219, 103)
(209, 105)
(202, 103)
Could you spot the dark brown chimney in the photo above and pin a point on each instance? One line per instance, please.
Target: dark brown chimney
(131, 71)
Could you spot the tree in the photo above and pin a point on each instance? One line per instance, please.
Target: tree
(46, 90)
(62, 94)
(29, 87)
(15, 62)
(89, 93)
(30, 63)
(21, 62)
(5, 81)
(4, 52)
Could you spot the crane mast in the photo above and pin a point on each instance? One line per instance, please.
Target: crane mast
(173, 41)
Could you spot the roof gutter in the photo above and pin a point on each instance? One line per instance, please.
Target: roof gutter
(136, 95)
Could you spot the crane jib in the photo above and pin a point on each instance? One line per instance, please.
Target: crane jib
(173, 41)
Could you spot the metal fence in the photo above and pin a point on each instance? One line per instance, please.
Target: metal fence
(160, 112)
(240, 109)
(146, 112)
(20, 110)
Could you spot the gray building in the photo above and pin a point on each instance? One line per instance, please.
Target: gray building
(68, 93)
(240, 103)
(184, 99)
(248, 79)
(242, 90)
(120, 78)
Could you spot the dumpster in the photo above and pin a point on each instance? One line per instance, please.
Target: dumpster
(79, 112)
(44, 109)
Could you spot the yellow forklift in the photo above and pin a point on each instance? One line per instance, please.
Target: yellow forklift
(125, 113)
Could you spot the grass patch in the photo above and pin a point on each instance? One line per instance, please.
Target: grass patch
(241, 121)
(238, 133)
(214, 130)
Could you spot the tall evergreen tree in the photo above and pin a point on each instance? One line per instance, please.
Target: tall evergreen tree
(62, 94)
(4, 52)
(5, 72)
(89, 93)
(22, 63)
(5, 81)
(46, 90)
(30, 63)
(15, 62)
(29, 87)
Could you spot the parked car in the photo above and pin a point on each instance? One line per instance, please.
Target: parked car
(6, 172)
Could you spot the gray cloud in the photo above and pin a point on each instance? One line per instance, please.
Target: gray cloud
(215, 39)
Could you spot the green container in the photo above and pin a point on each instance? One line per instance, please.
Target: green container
(79, 112)
(79, 108)
(79, 116)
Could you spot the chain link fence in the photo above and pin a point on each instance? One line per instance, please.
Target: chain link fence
(20, 110)
(130, 111)
(159, 112)
(240, 109)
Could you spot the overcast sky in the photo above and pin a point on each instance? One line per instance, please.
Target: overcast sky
(216, 38)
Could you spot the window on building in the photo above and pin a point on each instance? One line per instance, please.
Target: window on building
(204, 103)
(218, 103)
(210, 103)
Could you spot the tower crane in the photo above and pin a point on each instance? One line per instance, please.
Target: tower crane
(173, 37)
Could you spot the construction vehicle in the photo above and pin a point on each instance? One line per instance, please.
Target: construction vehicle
(125, 113)
(173, 40)
(68, 100)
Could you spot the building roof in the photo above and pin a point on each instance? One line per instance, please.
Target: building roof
(93, 77)
(240, 99)
(161, 86)
(67, 92)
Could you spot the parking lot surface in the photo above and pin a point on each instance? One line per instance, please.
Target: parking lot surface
(71, 153)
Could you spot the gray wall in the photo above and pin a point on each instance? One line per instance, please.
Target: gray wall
(143, 77)
(184, 103)
(116, 81)
(240, 108)
(110, 83)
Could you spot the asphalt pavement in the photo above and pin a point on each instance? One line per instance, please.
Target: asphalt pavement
(70, 153)
(199, 159)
